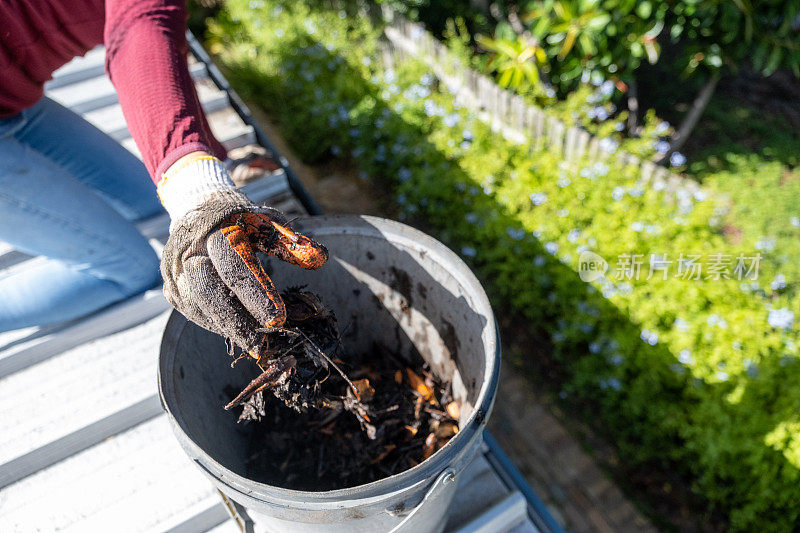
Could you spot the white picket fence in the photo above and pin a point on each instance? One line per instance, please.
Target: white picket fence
(508, 112)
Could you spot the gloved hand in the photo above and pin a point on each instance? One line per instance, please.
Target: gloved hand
(210, 269)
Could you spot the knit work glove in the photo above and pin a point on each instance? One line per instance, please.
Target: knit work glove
(209, 265)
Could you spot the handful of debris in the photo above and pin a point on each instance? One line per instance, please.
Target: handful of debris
(341, 419)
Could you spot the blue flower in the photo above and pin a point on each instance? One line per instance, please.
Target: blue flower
(650, 337)
(404, 174)
(652, 229)
(662, 128)
(451, 119)
(778, 283)
(662, 147)
(433, 109)
(465, 145)
(596, 112)
(515, 233)
(610, 383)
(680, 324)
(417, 92)
(685, 357)
(678, 369)
(310, 26)
(563, 182)
(574, 235)
(795, 222)
(538, 198)
(677, 159)
(551, 247)
(607, 88)
(600, 169)
(781, 318)
(608, 145)
(618, 193)
(466, 135)
(469, 251)
(765, 244)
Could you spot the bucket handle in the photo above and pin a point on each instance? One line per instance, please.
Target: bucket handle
(444, 479)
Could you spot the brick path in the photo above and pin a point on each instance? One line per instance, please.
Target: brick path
(578, 494)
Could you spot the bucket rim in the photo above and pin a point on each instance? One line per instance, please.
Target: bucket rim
(358, 494)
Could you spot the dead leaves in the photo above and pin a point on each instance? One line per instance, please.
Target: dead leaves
(419, 385)
(343, 419)
(364, 390)
(453, 410)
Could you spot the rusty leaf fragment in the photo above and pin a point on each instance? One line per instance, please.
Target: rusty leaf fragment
(445, 430)
(364, 389)
(419, 385)
(453, 410)
(430, 446)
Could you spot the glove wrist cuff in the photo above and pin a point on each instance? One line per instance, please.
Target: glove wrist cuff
(189, 183)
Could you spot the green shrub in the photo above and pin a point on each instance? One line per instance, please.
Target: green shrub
(693, 376)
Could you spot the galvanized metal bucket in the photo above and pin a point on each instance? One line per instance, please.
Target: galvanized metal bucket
(392, 286)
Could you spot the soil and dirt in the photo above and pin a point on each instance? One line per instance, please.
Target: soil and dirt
(326, 418)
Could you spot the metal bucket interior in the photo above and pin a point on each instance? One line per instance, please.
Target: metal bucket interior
(391, 287)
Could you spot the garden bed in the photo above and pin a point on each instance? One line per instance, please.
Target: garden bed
(693, 376)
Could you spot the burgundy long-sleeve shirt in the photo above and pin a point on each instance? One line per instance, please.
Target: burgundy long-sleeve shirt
(145, 58)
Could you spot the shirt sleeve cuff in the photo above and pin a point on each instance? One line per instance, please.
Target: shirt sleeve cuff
(177, 153)
(188, 185)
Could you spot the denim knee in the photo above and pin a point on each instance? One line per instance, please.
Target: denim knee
(142, 272)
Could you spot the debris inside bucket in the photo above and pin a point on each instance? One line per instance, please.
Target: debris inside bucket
(338, 419)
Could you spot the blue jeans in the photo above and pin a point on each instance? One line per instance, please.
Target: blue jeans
(71, 194)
